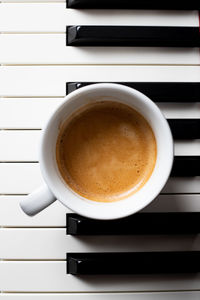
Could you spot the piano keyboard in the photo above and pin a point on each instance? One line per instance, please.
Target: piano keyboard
(39, 66)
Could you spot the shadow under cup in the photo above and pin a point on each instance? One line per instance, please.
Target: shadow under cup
(134, 202)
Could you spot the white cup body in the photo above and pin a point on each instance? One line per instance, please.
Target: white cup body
(134, 202)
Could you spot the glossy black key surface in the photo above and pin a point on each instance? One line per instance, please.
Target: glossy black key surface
(156, 91)
(133, 263)
(185, 128)
(134, 4)
(158, 223)
(133, 36)
(186, 166)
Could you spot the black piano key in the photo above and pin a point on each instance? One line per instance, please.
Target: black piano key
(136, 4)
(185, 128)
(133, 36)
(186, 166)
(156, 91)
(133, 263)
(158, 223)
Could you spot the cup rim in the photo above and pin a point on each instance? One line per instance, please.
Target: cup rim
(100, 212)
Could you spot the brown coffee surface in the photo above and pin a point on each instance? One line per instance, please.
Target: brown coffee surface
(106, 151)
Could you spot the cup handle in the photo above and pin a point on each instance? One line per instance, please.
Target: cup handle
(37, 201)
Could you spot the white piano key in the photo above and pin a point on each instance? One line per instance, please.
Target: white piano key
(51, 80)
(50, 276)
(180, 110)
(195, 295)
(23, 178)
(20, 145)
(182, 185)
(32, 113)
(55, 215)
(33, 1)
(190, 147)
(26, 113)
(52, 49)
(22, 17)
(53, 243)
(26, 146)
(174, 203)
(11, 214)
(19, 178)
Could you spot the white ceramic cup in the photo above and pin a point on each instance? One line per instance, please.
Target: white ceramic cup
(56, 188)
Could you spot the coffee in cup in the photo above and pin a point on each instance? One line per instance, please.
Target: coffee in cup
(106, 151)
